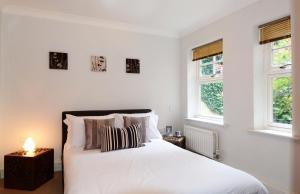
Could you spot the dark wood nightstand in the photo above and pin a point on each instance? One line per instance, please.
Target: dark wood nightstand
(179, 141)
(27, 172)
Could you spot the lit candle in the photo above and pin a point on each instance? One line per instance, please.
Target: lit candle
(29, 146)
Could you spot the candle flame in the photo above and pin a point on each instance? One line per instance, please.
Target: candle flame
(29, 146)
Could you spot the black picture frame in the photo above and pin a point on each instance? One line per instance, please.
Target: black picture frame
(58, 60)
(132, 65)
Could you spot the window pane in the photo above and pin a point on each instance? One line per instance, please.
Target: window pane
(207, 60)
(219, 57)
(211, 99)
(281, 43)
(282, 56)
(218, 69)
(212, 66)
(282, 100)
(207, 70)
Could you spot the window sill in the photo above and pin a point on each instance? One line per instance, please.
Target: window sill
(218, 122)
(287, 135)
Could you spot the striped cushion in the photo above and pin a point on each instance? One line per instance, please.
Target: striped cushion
(143, 121)
(92, 131)
(120, 138)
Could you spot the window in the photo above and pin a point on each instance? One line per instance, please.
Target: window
(279, 83)
(209, 62)
(210, 82)
(276, 38)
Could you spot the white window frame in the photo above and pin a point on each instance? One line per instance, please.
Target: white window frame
(272, 72)
(204, 80)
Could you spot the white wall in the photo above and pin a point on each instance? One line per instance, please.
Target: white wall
(267, 157)
(1, 76)
(34, 96)
(295, 7)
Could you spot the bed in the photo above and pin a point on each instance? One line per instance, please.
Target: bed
(156, 168)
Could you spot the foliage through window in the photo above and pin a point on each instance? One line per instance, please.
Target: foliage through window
(278, 65)
(210, 81)
(282, 100)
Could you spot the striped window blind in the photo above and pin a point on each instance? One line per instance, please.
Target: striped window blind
(275, 30)
(208, 50)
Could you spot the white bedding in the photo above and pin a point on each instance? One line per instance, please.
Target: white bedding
(157, 168)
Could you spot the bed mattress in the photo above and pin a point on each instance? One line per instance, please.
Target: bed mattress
(157, 168)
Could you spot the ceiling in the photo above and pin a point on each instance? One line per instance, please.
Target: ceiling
(177, 17)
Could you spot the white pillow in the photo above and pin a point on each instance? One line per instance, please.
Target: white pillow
(76, 128)
(153, 132)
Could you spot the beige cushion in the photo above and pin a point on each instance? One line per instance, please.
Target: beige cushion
(92, 131)
(143, 121)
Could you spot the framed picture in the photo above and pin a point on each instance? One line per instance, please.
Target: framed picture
(98, 64)
(169, 130)
(58, 60)
(132, 65)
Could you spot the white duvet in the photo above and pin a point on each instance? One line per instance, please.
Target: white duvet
(157, 168)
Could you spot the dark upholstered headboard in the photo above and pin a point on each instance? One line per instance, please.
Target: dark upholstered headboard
(94, 113)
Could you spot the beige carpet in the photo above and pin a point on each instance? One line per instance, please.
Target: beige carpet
(54, 186)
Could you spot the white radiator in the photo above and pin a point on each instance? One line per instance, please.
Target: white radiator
(202, 141)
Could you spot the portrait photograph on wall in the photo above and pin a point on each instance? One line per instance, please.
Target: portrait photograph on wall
(98, 64)
(132, 65)
(58, 60)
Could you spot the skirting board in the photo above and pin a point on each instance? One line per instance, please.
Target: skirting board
(273, 190)
(57, 168)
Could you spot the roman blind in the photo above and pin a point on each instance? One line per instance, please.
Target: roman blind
(275, 30)
(208, 50)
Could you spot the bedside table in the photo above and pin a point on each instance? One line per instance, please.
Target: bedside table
(179, 141)
(27, 172)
